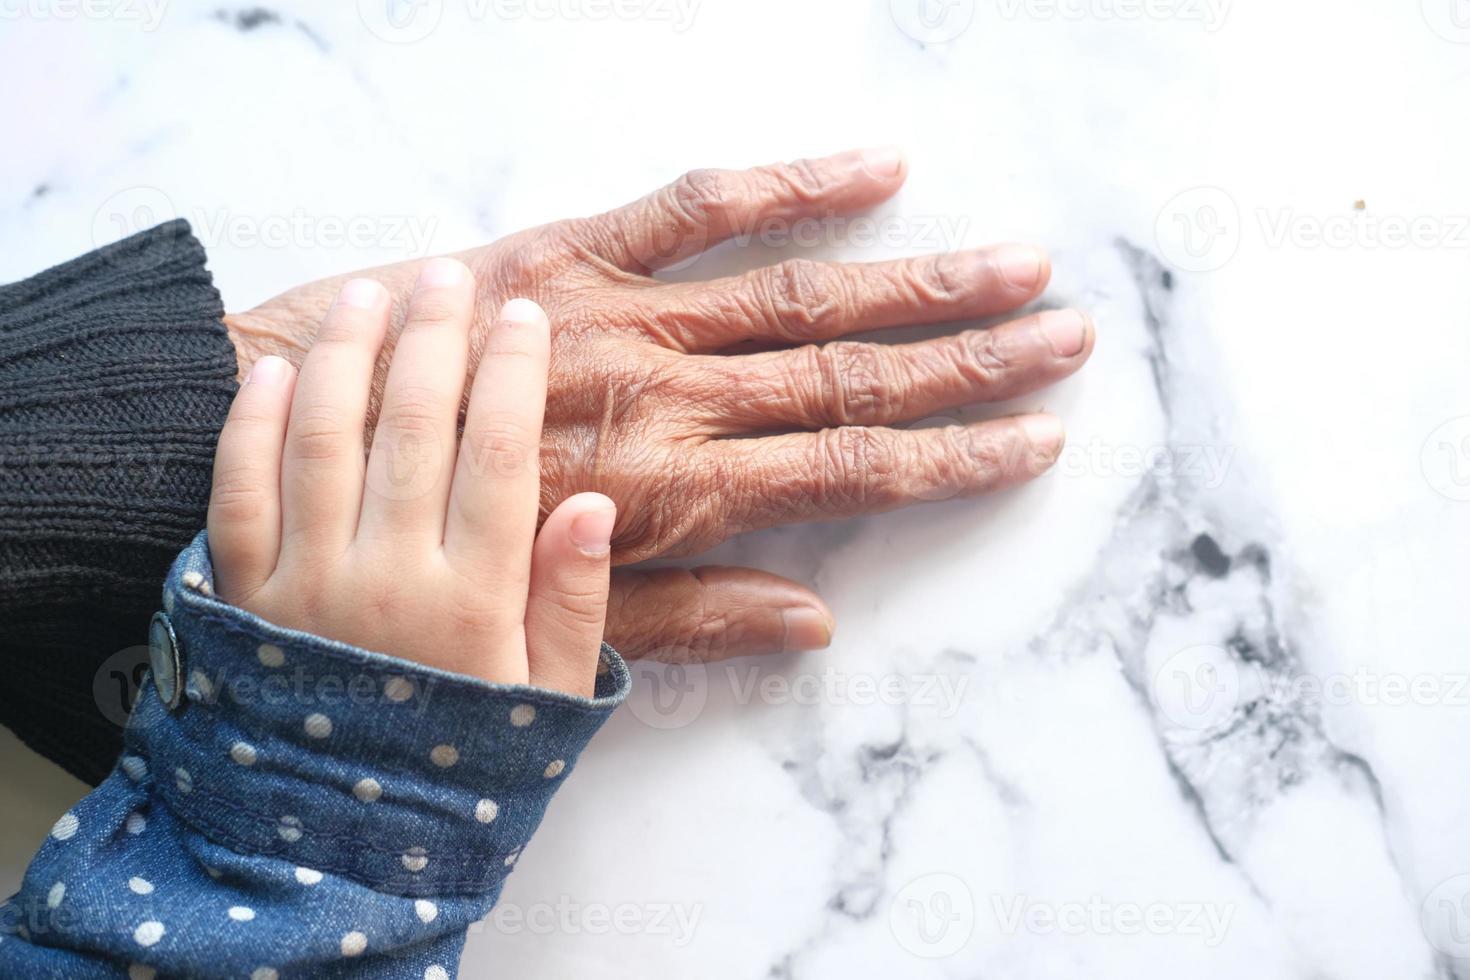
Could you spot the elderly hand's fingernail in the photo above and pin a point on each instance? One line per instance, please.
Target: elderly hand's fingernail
(883, 161)
(1019, 265)
(1046, 435)
(591, 531)
(1065, 331)
(269, 370)
(806, 629)
(442, 272)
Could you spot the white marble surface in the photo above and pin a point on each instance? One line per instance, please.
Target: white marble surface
(1094, 751)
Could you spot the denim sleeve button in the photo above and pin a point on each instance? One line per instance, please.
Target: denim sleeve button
(163, 659)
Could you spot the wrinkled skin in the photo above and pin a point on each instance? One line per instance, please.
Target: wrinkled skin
(651, 379)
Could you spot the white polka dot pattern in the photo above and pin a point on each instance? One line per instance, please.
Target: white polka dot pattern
(415, 859)
(149, 933)
(401, 784)
(65, 828)
(289, 829)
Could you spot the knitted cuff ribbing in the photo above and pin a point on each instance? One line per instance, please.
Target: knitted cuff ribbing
(116, 374)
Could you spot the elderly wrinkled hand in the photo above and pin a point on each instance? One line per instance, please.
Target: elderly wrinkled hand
(709, 408)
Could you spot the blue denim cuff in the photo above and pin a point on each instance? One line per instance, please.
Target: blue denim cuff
(405, 778)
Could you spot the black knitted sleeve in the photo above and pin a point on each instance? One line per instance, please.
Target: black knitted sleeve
(116, 374)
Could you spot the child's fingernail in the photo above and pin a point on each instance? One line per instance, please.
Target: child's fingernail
(522, 311)
(592, 531)
(269, 370)
(442, 272)
(364, 294)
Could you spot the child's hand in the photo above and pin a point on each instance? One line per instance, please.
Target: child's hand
(426, 550)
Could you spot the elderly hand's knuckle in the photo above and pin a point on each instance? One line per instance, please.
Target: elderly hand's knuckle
(983, 359)
(698, 194)
(977, 453)
(804, 179)
(853, 461)
(806, 299)
(938, 279)
(862, 384)
(953, 458)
